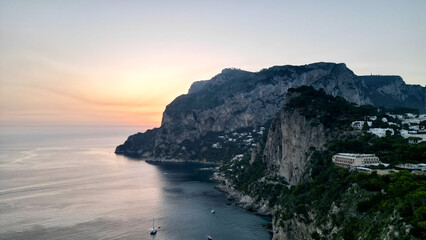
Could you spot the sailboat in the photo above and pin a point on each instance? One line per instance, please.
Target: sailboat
(153, 230)
(212, 212)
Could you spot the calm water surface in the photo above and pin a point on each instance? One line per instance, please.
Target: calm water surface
(70, 185)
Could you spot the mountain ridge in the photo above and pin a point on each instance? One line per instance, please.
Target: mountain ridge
(237, 99)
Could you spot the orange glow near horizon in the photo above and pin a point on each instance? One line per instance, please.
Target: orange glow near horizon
(119, 63)
(50, 93)
(46, 102)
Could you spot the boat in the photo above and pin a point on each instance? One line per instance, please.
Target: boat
(153, 230)
(212, 212)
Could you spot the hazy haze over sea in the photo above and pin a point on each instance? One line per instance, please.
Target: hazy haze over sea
(68, 184)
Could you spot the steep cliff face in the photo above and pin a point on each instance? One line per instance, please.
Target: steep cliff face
(296, 131)
(287, 148)
(236, 99)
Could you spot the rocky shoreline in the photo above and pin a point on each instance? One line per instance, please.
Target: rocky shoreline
(242, 200)
(262, 208)
(248, 203)
(166, 160)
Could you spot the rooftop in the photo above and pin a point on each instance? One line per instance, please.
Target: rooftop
(355, 155)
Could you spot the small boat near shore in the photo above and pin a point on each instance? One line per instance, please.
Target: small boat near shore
(153, 230)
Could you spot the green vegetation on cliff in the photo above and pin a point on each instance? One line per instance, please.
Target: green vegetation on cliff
(356, 204)
(328, 110)
(138, 142)
(333, 202)
(217, 147)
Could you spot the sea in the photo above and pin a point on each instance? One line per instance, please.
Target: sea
(67, 183)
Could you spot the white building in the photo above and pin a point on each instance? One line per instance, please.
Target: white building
(380, 132)
(358, 125)
(407, 134)
(414, 127)
(355, 160)
(216, 145)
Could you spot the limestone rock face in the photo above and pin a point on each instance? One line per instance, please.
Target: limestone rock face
(292, 229)
(236, 99)
(377, 88)
(287, 147)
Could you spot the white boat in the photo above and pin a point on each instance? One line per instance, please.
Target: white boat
(153, 230)
(212, 212)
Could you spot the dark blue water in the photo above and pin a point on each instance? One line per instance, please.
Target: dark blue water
(70, 185)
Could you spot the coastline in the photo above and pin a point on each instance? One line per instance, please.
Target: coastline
(164, 160)
(224, 185)
(242, 200)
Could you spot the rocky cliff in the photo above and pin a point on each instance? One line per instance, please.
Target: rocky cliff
(287, 147)
(291, 176)
(235, 99)
(307, 121)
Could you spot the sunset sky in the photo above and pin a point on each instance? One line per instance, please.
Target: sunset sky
(119, 63)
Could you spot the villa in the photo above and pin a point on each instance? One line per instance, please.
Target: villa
(353, 160)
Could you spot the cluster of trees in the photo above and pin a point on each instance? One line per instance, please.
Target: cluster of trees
(332, 112)
(245, 177)
(422, 124)
(245, 173)
(402, 191)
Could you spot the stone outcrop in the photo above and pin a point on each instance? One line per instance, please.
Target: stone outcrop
(245, 201)
(287, 146)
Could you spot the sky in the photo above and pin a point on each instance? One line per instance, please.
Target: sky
(119, 63)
